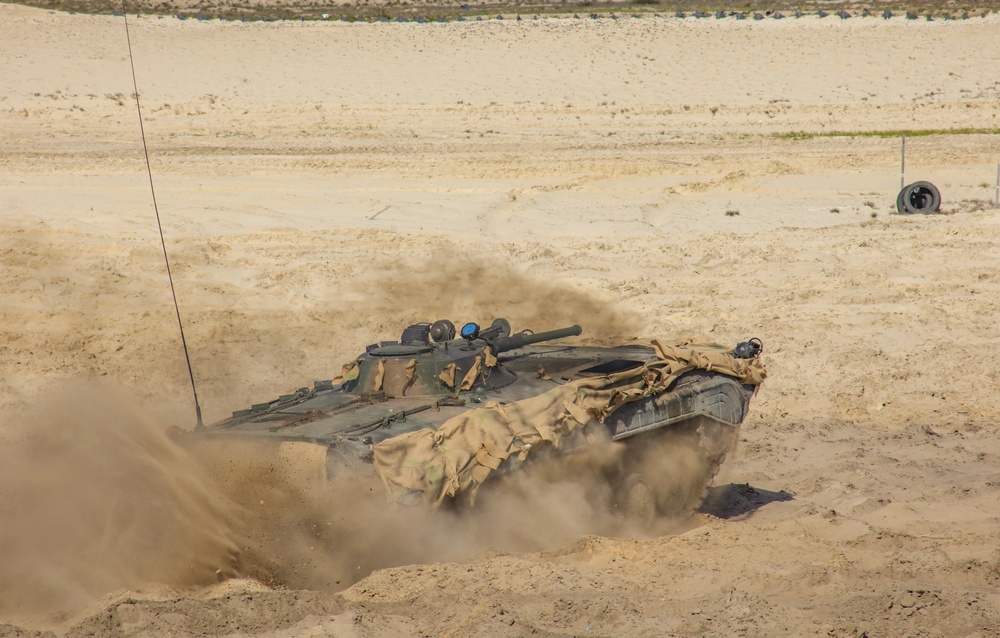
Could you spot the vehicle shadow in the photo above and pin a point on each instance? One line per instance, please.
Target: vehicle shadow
(739, 499)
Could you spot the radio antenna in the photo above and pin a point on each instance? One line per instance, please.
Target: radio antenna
(149, 171)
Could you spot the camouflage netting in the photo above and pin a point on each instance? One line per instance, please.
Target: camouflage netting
(458, 456)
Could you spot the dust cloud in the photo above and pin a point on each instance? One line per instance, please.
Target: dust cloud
(97, 496)
(303, 534)
(458, 285)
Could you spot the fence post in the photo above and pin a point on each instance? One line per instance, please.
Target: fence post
(902, 164)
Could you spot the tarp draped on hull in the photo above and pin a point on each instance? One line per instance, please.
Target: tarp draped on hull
(459, 455)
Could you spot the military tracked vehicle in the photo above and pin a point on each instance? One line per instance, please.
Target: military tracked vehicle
(438, 411)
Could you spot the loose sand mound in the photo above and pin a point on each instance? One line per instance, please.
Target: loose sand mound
(323, 185)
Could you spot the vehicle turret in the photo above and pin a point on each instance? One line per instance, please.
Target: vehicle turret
(429, 360)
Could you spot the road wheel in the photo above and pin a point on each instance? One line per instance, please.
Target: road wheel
(636, 500)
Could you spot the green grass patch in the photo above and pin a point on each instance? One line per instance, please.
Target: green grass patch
(896, 133)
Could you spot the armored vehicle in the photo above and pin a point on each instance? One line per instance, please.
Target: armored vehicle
(436, 412)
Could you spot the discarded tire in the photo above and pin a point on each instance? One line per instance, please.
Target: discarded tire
(919, 197)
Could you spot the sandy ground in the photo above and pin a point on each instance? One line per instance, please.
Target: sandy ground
(323, 185)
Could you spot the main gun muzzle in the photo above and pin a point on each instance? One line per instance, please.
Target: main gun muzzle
(520, 340)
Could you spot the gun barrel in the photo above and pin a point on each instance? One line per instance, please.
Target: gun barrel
(514, 342)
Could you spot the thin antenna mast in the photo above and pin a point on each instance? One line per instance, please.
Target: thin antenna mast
(180, 325)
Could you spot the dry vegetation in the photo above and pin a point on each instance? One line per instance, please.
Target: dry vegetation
(459, 9)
